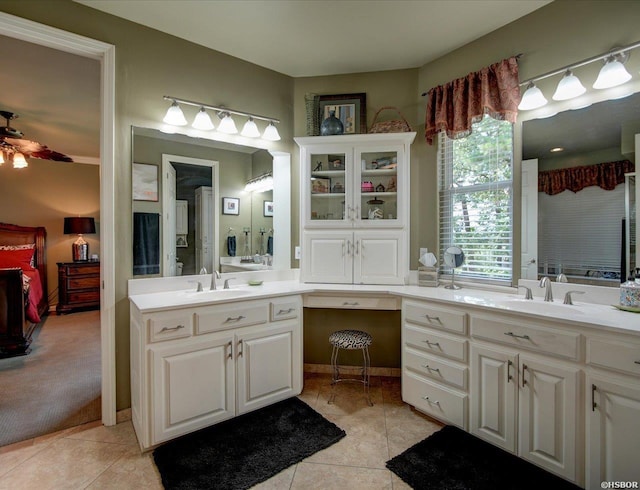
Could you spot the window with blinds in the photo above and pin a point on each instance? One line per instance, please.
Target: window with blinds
(475, 188)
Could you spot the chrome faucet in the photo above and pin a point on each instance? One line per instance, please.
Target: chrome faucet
(214, 274)
(226, 282)
(546, 283)
(561, 278)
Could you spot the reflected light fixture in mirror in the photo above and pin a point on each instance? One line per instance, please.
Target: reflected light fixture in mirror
(202, 121)
(262, 183)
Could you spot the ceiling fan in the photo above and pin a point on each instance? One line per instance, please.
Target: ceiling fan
(14, 148)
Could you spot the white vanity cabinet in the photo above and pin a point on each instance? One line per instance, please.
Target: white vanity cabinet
(355, 208)
(521, 399)
(194, 367)
(435, 360)
(613, 409)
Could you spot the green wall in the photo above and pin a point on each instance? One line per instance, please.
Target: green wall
(150, 64)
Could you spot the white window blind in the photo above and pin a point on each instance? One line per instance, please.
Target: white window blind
(475, 189)
(585, 238)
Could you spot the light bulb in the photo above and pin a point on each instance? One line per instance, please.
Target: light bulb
(227, 125)
(532, 98)
(19, 161)
(202, 121)
(271, 133)
(174, 115)
(612, 74)
(250, 129)
(569, 87)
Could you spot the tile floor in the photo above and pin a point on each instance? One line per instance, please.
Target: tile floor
(96, 457)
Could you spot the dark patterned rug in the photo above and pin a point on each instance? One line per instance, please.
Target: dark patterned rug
(246, 450)
(452, 459)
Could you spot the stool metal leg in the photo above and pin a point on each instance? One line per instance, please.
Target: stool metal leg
(335, 373)
(366, 374)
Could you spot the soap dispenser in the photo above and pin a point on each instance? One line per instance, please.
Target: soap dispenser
(630, 291)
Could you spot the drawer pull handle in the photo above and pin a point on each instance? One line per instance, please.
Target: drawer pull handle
(236, 319)
(509, 377)
(171, 329)
(593, 398)
(516, 336)
(284, 312)
(353, 303)
(435, 402)
(433, 319)
(230, 345)
(429, 343)
(240, 348)
(524, 381)
(636, 362)
(429, 368)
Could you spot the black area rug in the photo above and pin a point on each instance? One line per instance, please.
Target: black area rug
(452, 459)
(246, 450)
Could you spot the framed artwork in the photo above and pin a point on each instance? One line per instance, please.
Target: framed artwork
(351, 109)
(230, 205)
(267, 207)
(145, 182)
(320, 185)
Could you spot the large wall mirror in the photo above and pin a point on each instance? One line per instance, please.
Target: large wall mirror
(191, 210)
(581, 234)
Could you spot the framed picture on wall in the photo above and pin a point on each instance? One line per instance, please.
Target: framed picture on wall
(267, 208)
(145, 182)
(351, 109)
(230, 205)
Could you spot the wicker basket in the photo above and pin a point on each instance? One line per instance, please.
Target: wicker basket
(393, 126)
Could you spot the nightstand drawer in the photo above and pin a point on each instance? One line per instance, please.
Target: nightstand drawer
(83, 282)
(84, 268)
(83, 297)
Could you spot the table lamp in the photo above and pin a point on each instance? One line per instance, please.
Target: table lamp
(79, 226)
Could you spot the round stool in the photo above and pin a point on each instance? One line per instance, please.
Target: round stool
(350, 340)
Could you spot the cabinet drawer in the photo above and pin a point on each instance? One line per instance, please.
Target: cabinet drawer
(435, 317)
(352, 302)
(284, 309)
(435, 400)
(435, 368)
(83, 297)
(620, 355)
(540, 339)
(218, 318)
(169, 325)
(83, 282)
(73, 270)
(435, 342)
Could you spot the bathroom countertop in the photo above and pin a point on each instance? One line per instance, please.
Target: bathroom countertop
(586, 314)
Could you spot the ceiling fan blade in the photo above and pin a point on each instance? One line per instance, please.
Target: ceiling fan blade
(33, 149)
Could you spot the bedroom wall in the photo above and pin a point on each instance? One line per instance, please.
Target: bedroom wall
(43, 194)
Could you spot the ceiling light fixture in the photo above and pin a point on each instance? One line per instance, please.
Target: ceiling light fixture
(612, 74)
(19, 161)
(202, 121)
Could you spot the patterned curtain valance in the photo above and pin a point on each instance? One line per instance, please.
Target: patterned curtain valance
(606, 175)
(454, 106)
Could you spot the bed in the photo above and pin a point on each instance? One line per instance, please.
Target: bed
(23, 286)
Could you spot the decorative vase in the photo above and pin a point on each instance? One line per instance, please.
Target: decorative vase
(331, 125)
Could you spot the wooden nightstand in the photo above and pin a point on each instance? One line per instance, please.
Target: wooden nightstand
(78, 286)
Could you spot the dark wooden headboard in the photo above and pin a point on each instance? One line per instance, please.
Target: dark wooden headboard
(22, 235)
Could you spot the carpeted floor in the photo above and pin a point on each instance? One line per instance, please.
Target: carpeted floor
(57, 385)
(452, 459)
(246, 450)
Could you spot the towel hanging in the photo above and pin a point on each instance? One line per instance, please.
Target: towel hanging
(231, 245)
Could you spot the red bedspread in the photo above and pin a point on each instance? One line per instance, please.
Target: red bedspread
(34, 295)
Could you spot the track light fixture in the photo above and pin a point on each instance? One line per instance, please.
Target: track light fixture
(612, 74)
(227, 125)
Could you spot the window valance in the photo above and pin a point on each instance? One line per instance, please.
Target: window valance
(454, 106)
(605, 175)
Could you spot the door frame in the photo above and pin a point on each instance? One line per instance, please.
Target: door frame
(33, 32)
(167, 160)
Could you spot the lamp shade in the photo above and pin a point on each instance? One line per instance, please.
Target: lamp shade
(612, 74)
(569, 87)
(79, 226)
(250, 129)
(532, 98)
(19, 161)
(227, 125)
(271, 133)
(202, 121)
(175, 116)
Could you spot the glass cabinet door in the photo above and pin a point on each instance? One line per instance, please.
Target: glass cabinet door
(378, 185)
(328, 183)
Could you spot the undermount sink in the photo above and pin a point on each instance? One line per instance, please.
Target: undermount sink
(216, 293)
(537, 306)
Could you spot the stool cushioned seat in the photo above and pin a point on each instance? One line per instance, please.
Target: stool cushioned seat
(350, 339)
